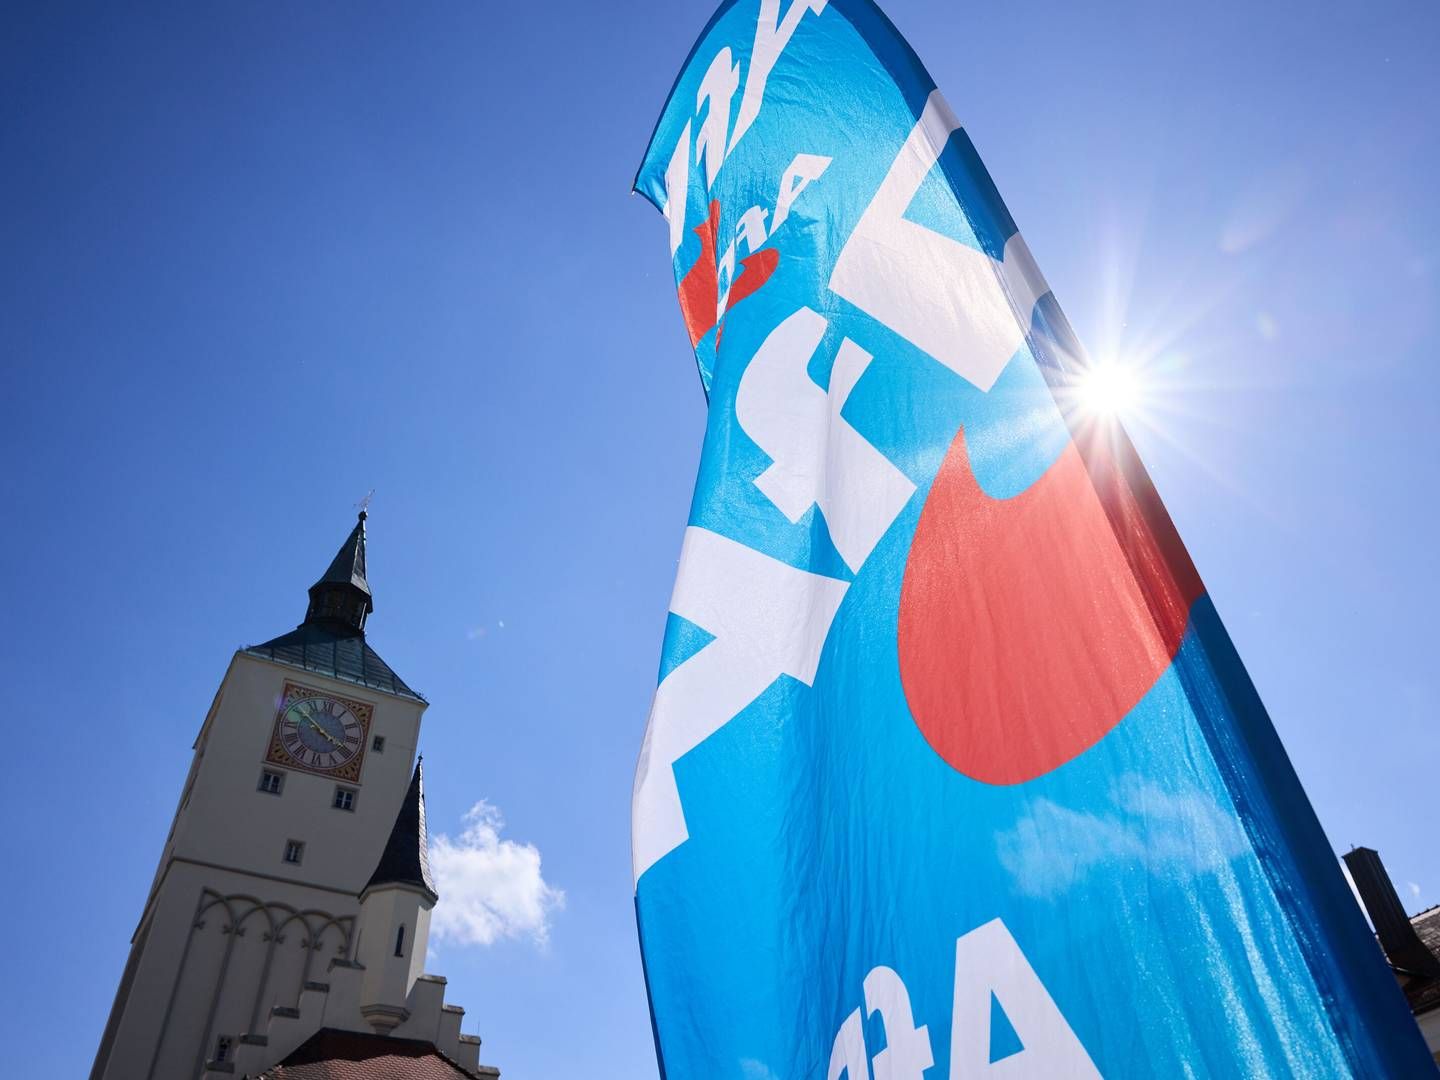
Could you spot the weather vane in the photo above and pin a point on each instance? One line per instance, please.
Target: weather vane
(364, 504)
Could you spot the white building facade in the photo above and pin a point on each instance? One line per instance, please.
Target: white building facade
(293, 892)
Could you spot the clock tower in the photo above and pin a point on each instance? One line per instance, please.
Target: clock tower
(293, 893)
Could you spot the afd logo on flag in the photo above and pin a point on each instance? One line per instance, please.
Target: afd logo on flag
(769, 619)
(950, 760)
(1003, 1016)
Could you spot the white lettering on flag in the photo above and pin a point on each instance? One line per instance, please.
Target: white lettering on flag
(907, 1048)
(769, 619)
(952, 300)
(718, 87)
(750, 230)
(804, 169)
(677, 185)
(770, 42)
(988, 961)
(848, 1057)
(818, 458)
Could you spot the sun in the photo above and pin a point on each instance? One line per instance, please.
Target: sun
(1108, 389)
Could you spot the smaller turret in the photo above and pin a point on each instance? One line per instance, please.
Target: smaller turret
(395, 915)
(342, 595)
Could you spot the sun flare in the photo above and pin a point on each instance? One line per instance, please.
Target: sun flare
(1109, 389)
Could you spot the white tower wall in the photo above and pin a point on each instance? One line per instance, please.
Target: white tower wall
(274, 909)
(389, 916)
(192, 977)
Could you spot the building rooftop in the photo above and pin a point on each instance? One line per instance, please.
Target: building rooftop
(1424, 994)
(335, 651)
(348, 566)
(331, 640)
(331, 1054)
(342, 595)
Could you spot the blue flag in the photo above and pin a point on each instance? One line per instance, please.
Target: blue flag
(952, 770)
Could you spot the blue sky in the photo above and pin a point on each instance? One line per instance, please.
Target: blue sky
(263, 258)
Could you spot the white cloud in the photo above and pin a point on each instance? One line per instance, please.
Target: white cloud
(1053, 847)
(1414, 889)
(490, 889)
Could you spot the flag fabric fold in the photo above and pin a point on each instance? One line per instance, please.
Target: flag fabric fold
(952, 770)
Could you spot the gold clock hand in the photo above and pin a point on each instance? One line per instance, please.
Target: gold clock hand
(330, 738)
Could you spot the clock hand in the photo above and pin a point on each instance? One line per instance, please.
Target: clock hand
(333, 741)
(330, 738)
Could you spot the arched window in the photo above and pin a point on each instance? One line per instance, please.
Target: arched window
(400, 940)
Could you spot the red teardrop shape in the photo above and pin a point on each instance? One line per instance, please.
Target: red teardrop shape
(1030, 626)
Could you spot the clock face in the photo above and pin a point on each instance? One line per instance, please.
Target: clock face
(320, 733)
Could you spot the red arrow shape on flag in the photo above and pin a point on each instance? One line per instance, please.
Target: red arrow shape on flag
(699, 289)
(1030, 626)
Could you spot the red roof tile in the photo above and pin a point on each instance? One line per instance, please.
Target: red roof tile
(331, 1054)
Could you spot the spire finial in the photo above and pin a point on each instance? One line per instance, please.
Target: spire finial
(364, 504)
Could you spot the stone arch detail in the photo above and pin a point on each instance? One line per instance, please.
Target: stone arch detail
(312, 924)
(234, 916)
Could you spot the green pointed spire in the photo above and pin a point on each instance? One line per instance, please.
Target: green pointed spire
(406, 858)
(342, 595)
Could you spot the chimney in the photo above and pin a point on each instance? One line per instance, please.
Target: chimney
(1403, 947)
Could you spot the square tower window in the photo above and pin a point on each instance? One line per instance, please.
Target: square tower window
(378, 744)
(294, 851)
(344, 798)
(271, 782)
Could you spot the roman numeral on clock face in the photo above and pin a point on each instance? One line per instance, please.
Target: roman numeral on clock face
(317, 733)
